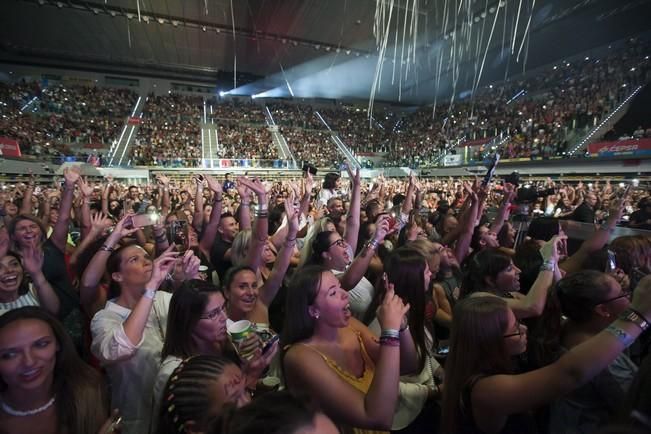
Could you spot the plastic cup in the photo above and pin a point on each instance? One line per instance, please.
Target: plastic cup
(239, 330)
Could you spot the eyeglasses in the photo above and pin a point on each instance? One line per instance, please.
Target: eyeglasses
(216, 312)
(624, 294)
(518, 326)
(340, 243)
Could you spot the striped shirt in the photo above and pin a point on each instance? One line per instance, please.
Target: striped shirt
(27, 299)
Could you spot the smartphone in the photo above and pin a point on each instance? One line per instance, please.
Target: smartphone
(115, 425)
(309, 168)
(627, 190)
(142, 220)
(491, 170)
(270, 343)
(611, 263)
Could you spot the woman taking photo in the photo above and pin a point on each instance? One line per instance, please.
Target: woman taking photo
(409, 275)
(44, 386)
(493, 271)
(128, 334)
(337, 360)
(482, 394)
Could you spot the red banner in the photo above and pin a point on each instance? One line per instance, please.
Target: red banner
(631, 146)
(134, 121)
(95, 145)
(9, 147)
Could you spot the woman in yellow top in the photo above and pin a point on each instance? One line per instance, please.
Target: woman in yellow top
(335, 359)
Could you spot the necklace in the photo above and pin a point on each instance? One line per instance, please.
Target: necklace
(7, 409)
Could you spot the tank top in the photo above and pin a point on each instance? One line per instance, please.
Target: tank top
(521, 423)
(363, 383)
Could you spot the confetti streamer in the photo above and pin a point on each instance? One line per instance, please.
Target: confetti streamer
(234, 49)
(526, 30)
(128, 32)
(138, 6)
(515, 29)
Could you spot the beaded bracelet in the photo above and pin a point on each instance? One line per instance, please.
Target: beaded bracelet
(390, 333)
(107, 248)
(391, 342)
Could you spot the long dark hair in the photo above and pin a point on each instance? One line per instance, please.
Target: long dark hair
(486, 263)
(301, 293)
(186, 306)
(405, 268)
(477, 348)
(82, 402)
(113, 266)
(330, 180)
(579, 292)
(543, 228)
(320, 244)
(24, 284)
(188, 395)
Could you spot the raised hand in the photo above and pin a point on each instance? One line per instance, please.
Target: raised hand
(551, 250)
(354, 178)
(32, 259)
(292, 211)
(242, 190)
(71, 175)
(254, 185)
(124, 226)
(163, 180)
(391, 312)
(85, 188)
(161, 267)
(308, 183)
(189, 266)
(383, 228)
(255, 366)
(99, 223)
(616, 210)
(213, 184)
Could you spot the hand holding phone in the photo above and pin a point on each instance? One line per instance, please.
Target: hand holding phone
(142, 220)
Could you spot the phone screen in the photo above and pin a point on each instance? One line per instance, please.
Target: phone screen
(142, 220)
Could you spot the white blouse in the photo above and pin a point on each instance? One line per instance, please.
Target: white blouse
(131, 367)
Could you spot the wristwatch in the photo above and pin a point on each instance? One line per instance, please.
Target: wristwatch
(635, 317)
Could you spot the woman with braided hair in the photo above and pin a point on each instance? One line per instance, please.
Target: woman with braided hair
(197, 326)
(196, 393)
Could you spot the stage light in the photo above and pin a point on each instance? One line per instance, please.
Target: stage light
(222, 93)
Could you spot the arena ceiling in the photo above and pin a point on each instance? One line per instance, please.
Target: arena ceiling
(286, 41)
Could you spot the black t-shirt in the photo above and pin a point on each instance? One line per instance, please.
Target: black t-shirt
(219, 249)
(55, 272)
(583, 213)
(641, 216)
